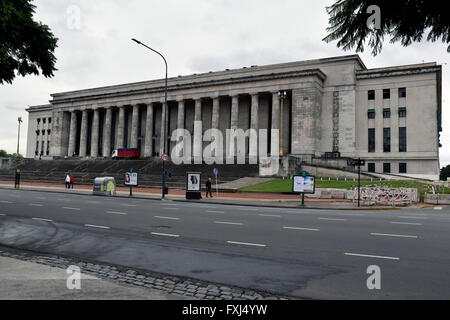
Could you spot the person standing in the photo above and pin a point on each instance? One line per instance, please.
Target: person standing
(72, 180)
(208, 188)
(67, 181)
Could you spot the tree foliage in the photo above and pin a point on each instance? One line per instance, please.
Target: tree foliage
(403, 20)
(445, 172)
(26, 46)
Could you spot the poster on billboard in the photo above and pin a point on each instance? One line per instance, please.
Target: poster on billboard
(131, 178)
(193, 182)
(303, 184)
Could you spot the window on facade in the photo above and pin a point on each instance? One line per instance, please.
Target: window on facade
(371, 94)
(402, 139)
(386, 113)
(43, 132)
(386, 167)
(48, 131)
(371, 167)
(50, 120)
(371, 114)
(386, 93)
(44, 120)
(402, 167)
(38, 120)
(37, 148)
(38, 132)
(402, 92)
(371, 139)
(386, 139)
(402, 112)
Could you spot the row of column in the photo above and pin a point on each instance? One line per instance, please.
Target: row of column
(148, 144)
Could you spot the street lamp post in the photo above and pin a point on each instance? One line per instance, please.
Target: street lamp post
(18, 136)
(165, 117)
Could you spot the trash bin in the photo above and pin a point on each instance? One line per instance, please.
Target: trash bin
(104, 186)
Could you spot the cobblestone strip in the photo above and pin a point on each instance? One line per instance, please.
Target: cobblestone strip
(192, 288)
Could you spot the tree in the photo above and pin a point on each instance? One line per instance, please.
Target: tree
(404, 20)
(26, 46)
(445, 172)
(4, 154)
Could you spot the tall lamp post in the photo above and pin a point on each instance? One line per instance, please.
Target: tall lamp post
(165, 118)
(18, 136)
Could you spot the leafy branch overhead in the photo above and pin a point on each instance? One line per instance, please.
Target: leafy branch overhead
(26, 46)
(402, 20)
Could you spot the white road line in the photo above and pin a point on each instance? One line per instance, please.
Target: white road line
(170, 204)
(128, 205)
(233, 223)
(248, 209)
(70, 208)
(269, 215)
(297, 228)
(5, 201)
(171, 208)
(165, 234)
(117, 212)
(36, 205)
(213, 211)
(95, 226)
(392, 235)
(42, 198)
(42, 219)
(370, 256)
(63, 199)
(2, 214)
(409, 217)
(168, 218)
(351, 214)
(247, 244)
(333, 219)
(437, 208)
(407, 223)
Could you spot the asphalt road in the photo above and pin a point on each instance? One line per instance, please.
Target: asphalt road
(320, 254)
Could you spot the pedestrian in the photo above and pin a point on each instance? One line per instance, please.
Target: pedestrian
(67, 181)
(72, 180)
(208, 188)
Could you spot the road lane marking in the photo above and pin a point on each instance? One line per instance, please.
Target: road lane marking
(95, 226)
(171, 208)
(437, 208)
(128, 205)
(370, 256)
(408, 223)
(233, 223)
(410, 217)
(168, 218)
(63, 199)
(36, 205)
(70, 208)
(247, 244)
(392, 235)
(269, 215)
(42, 198)
(333, 219)
(117, 212)
(166, 234)
(5, 201)
(170, 204)
(297, 228)
(213, 211)
(248, 209)
(42, 219)
(351, 214)
(2, 214)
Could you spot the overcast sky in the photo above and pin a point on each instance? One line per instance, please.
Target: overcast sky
(195, 36)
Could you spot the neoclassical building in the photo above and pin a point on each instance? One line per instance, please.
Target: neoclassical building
(325, 108)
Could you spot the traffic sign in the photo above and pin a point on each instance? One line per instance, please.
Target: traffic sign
(216, 171)
(165, 157)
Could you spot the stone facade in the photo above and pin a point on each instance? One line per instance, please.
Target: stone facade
(320, 106)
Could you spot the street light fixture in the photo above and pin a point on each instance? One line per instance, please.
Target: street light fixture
(18, 135)
(165, 118)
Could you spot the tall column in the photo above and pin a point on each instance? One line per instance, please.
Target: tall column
(254, 125)
(180, 117)
(134, 127)
(234, 112)
(121, 127)
(275, 134)
(198, 132)
(215, 113)
(83, 133)
(106, 152)
(148, 149)
(94, 134)
(72, 133)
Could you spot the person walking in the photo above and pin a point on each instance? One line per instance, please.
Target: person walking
(208, 188)
(67, 181)
(72, 180)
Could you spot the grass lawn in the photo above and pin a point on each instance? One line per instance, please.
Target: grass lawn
(285, 185)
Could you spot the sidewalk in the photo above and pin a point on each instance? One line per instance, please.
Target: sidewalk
(239, 198)
(29, 280)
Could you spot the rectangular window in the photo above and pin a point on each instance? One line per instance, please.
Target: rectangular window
(372, 140)
(371, 167)
(402, 112)
(402, 92)
(43, 132)
(402, 139)
(386, 139)
(402, 167)
(386, 93)
(371, 94)
(386, 167)
(48, 131)
(386, 112)
(38, 120)
(50, 120)
(371, 114)
(44, 120)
